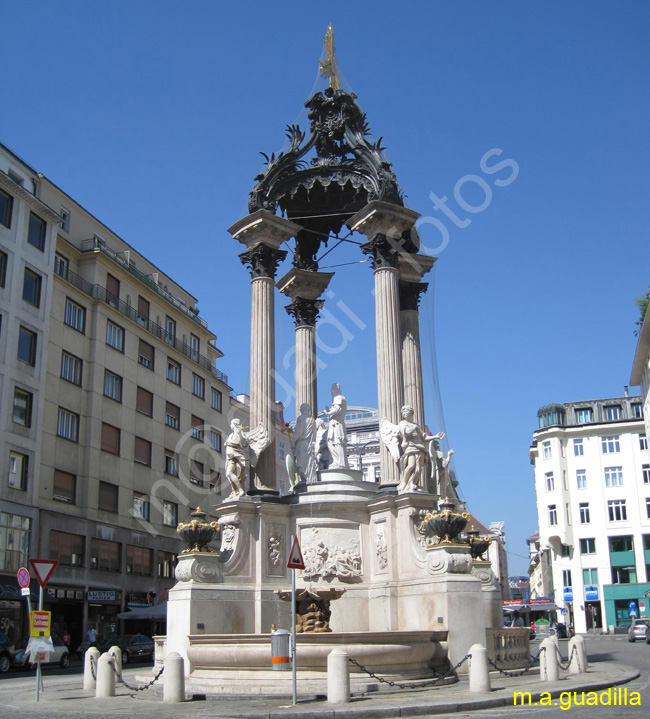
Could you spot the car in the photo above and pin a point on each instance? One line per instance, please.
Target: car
(135, 647)
(6, 653)
(59, 656)
(637, 629)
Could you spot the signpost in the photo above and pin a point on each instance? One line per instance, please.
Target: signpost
(632, 608)
(295, 562)
(43, 569)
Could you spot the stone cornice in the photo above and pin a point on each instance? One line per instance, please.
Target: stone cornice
(44, 210)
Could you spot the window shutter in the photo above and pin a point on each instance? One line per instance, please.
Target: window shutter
(112, 288)
(144, 401)
(64, 486)
(110, 438)
(146, 354)
(142, 451)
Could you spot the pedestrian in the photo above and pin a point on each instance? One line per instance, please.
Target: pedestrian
(92, 636)
(517, 620)
(66, 637)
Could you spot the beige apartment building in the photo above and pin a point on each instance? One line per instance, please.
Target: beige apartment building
(113, 411)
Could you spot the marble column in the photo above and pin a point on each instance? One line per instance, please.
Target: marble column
(384, 225)
(263, 233)
(304, 288)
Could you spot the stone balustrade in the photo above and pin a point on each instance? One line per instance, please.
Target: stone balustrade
(508, 647)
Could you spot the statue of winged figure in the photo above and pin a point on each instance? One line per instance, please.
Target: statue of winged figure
(408, 446)
(238, 441)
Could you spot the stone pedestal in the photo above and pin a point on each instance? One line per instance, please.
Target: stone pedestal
(492, 603)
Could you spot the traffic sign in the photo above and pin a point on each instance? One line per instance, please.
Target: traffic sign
(23, 577)
(295, 557)
(43, 569)
(40, 623)
(632, 608)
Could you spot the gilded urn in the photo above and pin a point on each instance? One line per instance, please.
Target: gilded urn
(478, 545)
(447, 524)
(198, 533)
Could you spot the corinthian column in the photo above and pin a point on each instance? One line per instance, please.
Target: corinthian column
(263, 233)
(384, 224)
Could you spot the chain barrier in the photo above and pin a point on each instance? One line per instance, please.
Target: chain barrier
(133, 688)
(418, 685)
(518, 673)
(92, 667)
(569, 660)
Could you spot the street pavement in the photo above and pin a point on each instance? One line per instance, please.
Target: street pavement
(613, 661)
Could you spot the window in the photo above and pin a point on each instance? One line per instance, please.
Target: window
(637, 411)
(64, 488)
(617, 510)
(643, 442)
(173, 371)
(624, 543)
(114, 336)
(215, 440)
(612, 413)
(567, 580)
(110, 438)
(196, 472)
(27, 346)
(61, 265)
(646, 473)
(22, 407)
(67, 548)
(32, 287)
(112, 386)
(613, 476)
(171, 463)
(170, 514)
(623, 575)
(647, 506)
(71, 368)
(172, 415)
(198, 386)
(552, 515)
(610, 444)
(195, 345)
(140, 506)
(282, 452)
(75, 316)
(170, 330)
(587, 546)
(112, 290)
(166, 564)
(146, 354)
(585, 518)
(216, 399)
(197, 427)
(142, 453)
(68, 425)
(107, 497)
(546, 450)
(565, 550)
(14, 541)
(215, 482)
(6, 205)
(105, 555)
(139, 560)
(578, 448)
(550, 482)
(36, 232)
(590, 577)
(584, 415)
(567, 514)
(143, 311)
(18, 468)
(3, 265)
(144, 402)
(65, 220)
(581, 478)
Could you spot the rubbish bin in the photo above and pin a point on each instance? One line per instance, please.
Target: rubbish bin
(280, 649)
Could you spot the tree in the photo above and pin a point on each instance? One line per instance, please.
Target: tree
(642, 304)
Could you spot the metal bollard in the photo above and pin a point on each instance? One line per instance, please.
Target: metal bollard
(90, 681)
(105, 676)
(116, 652)
(549, 670)
(338, 677)
(479, 673)
(174, 678)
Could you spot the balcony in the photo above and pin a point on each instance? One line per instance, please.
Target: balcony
(122, 258)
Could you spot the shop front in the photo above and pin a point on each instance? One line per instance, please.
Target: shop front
(103, 608)
(14, 614)
(67, 607)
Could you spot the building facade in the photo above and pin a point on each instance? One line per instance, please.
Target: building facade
(592, 480)
(641, 369)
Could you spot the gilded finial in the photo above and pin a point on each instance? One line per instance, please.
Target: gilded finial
(330, 68)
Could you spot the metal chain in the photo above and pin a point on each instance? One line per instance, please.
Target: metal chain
(92, 667)
(130, 686)
(560, 659)
(418, 685)
(507, 673)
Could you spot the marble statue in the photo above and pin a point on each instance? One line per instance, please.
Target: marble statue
(302, 445)
(409, 448)
(320, 444)
(445, 484)
(336, 432)
(236, 445)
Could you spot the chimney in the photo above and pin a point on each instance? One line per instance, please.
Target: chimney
(627, 390)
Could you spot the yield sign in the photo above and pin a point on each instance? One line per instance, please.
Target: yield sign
(43, 569)
(295, 558)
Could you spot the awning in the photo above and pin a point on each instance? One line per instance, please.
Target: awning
(531, 606)
(156, 614)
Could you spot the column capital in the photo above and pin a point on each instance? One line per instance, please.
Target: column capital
(384, 251)
(413, 266)
(304, 283)
(383, 218)
(263, 226)
(263, 260)
(304, 311)
(409, 294)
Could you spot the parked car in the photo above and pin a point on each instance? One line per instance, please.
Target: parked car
(59, 656)
(637, 629)
(6, 653)
(135, 647)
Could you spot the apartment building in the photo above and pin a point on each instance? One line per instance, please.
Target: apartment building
(592, 480)
(641, 369)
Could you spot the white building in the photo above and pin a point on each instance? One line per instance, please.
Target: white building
(641, 369)
(592, 479)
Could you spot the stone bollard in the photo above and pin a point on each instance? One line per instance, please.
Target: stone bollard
(479, 672)
(174, 678)
(116, 652)
(90, 665)
(577, 655)
(105, 676)
(549, 670)
(338, 677)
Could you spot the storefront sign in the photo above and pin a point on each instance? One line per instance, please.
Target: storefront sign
(101, 596)
(568, 594)
(591, 594)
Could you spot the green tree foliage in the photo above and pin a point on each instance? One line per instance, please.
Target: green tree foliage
(642, 304)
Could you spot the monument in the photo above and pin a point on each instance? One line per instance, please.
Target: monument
(387, 573)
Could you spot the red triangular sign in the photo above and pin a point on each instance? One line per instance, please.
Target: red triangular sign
(43, 569)
(295, 558)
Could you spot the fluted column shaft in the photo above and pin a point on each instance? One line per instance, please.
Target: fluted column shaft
(306, 387)
(411, 353)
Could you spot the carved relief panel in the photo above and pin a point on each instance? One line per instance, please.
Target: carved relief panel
(332, 552)
(276, 542)
(381, 548)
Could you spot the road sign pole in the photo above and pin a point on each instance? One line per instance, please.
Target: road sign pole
(293, 631)
(38, 664)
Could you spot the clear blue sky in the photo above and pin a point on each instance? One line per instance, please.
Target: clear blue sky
(151, 114)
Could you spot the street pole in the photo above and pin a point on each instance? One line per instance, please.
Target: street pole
(293, 631)
(38, 664)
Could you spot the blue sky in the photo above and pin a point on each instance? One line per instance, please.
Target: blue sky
(151, 114)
